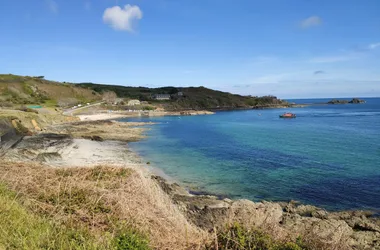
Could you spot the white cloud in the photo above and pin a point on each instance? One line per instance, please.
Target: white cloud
(374, 45)
(122, 18)
(53, 6)
(311, 22)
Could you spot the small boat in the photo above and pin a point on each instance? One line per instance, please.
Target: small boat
(288, 115)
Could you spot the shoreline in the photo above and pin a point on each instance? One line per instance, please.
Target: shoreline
(122, 114)
(202, 209)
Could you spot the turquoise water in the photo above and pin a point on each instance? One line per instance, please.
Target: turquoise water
(328, 156)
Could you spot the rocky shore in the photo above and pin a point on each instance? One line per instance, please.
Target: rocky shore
(351, 229)
(86, 144)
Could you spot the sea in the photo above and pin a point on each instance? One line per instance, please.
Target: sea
(329, 156)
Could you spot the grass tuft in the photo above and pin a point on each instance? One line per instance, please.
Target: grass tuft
(21, 229)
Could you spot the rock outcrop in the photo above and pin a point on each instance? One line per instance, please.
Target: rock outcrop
(342, 230)
(356, 101)
(336, 101)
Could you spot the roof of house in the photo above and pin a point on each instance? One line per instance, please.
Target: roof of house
(162, 95)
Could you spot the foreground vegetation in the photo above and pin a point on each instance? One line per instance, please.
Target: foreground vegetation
(87, 208)
(108, 208)
(21, 229)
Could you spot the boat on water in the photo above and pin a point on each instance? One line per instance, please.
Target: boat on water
(288, 115)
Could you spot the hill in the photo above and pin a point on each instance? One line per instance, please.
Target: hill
(195, 98)
(19, 90)
(36, 90)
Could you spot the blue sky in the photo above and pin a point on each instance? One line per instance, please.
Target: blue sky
(292, 48)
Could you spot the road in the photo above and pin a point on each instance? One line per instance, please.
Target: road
(70, 111)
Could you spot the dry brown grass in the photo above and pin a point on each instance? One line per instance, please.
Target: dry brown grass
(106, 130)
(43, 120)
(104, 200)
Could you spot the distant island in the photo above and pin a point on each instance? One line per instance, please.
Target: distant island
(353, 101)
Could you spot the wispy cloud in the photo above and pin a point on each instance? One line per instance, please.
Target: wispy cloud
(264, 60)
(318, 72)
(87, 5)
(122, 18)
(52, 5)
(331, 59)
(373, 45)
(312, 21)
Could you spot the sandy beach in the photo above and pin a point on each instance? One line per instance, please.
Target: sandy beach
(102, 116)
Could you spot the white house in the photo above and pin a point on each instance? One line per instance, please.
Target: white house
(161, 97)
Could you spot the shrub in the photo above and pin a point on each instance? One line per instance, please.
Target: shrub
(148, 108)
(130, 240)
(21, 129)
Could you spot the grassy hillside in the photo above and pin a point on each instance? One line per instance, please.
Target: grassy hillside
(192, 98)
(19, 90)
(36, 90)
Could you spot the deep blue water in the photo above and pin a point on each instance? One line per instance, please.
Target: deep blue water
(328, 156)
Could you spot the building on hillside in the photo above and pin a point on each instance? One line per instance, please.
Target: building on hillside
(161, 97)
(134, 102)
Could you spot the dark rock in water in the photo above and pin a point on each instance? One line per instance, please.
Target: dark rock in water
(353, 101)
(356, 101)
(336, 101)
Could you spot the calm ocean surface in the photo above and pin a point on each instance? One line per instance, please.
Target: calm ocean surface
(328, 156)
